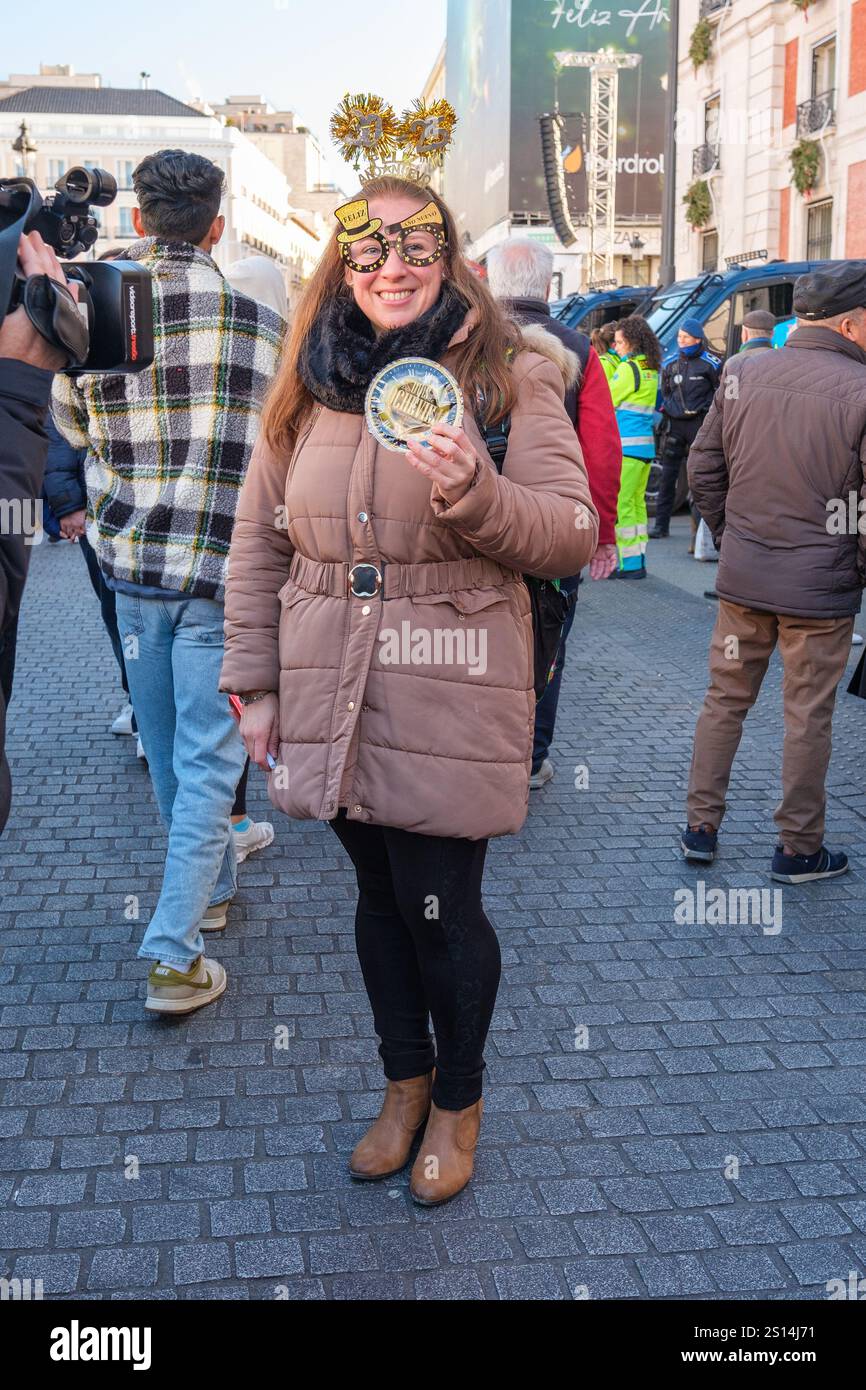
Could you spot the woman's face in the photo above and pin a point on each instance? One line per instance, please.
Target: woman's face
(620, 345)
(396, 293)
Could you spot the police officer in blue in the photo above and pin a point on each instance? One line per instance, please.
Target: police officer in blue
(689, 380)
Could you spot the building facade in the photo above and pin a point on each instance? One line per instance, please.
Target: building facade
(73, 119)
(293, 148)
(435, 90)
(503, 177)
(780, 88)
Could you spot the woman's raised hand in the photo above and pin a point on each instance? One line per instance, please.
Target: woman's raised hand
(447, 458)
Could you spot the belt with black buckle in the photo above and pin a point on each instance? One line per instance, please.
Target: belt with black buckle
(365, 581)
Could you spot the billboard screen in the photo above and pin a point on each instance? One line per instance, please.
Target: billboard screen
(542, 28)
(478, 80)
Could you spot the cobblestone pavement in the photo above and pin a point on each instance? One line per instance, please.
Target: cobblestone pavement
(708, 1141)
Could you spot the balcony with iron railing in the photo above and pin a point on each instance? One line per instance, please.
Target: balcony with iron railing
(816, 114)
(710, 8)
(705, 160)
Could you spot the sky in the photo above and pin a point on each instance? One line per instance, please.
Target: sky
(301, 55)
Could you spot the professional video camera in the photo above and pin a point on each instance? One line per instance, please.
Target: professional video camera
(113, 296)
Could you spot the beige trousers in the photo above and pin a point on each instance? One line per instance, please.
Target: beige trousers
(814, 652)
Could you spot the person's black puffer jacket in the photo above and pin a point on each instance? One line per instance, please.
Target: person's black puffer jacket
(24, 394)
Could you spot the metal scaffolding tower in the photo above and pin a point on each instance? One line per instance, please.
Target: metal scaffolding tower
(604, 67)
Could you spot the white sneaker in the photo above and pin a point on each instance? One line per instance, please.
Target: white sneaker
(259, 836)
(139, 749)
(544, 774)
(856, 640)
(123, 722)
(215, 917)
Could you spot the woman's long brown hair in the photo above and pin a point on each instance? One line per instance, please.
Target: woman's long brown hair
(481, 362)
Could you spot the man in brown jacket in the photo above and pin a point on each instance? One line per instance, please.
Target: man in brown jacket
(777, 472)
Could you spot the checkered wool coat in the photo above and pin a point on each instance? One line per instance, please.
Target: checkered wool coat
(167, 448)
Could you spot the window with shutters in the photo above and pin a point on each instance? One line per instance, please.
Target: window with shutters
(819, 231)
(709, 251)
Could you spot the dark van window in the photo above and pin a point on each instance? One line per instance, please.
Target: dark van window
(777, 297)
(716, 328)
(664, 308)
(606, 313)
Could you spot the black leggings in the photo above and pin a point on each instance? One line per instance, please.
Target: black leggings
(426, 949)
(240, 806)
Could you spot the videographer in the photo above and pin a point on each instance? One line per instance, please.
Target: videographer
(27, 366)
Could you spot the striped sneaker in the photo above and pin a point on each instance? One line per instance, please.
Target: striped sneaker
(171, 991)
(807, 868)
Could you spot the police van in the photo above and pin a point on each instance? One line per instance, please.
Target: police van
(721, 299)
(603, 303)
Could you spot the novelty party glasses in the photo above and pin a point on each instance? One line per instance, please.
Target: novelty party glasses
(421, 238)
(417, 246)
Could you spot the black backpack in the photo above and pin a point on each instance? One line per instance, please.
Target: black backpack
(550, 606)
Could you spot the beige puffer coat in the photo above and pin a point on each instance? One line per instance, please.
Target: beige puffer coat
(415, 708)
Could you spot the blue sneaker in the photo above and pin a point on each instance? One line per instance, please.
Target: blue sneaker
(699, 842)
(807, 868)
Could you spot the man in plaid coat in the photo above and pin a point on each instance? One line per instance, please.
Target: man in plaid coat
(167, 449)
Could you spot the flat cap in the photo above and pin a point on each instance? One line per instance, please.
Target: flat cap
(832, 289)
(761, 319)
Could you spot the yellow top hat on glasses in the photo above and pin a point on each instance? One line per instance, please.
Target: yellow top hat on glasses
(356, 222)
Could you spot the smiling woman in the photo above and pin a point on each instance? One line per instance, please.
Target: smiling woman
(383, 633)
(344, 299)
(395, 280)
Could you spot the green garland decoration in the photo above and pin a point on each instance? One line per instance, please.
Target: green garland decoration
(805, 160)
(701, 43)
(699, 205)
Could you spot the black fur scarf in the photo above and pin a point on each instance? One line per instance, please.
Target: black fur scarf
(342, 353)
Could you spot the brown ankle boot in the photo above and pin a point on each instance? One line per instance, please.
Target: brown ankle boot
(384, 1149)
(446, 1157)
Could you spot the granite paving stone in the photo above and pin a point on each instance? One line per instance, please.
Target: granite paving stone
(673, 1109)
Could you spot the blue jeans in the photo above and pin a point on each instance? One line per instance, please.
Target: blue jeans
(173, 651)
(545, 709)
